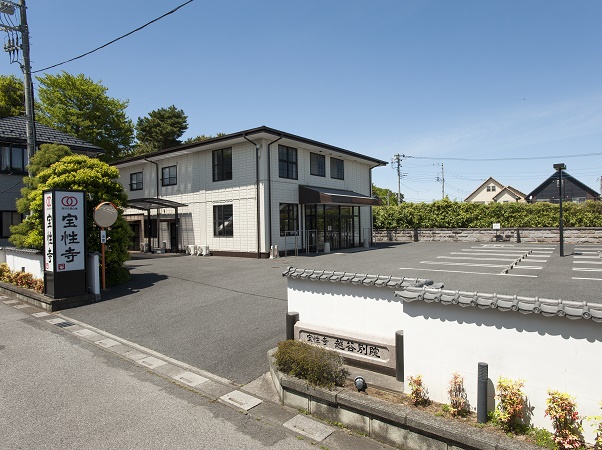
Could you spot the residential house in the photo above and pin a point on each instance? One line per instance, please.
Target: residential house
(573, 190)
(14, 161)
(247, 192)
(492, 191)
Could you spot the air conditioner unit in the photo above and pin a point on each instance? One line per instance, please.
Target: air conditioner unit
(203, 250)
(191, 249)
(144, 247)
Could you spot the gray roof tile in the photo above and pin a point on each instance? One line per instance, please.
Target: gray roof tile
(13, 131)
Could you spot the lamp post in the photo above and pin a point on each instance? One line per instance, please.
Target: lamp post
(560, 167)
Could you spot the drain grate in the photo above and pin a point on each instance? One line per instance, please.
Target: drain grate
(64, 324)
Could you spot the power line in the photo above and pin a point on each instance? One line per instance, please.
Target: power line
(115, 40)
(517, 158)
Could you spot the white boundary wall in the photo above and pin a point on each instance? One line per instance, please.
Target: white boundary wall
(547, 352)
(18, 260)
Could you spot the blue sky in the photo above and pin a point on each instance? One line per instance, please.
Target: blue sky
(436, 79)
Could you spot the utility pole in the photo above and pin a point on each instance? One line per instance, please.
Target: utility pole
(397, 165)
(12, 47)
(442, 180)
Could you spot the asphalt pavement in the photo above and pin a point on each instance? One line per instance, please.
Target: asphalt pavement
(223, 314)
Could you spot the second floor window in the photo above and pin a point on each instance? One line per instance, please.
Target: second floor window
(169, 176)
(222, 164)
(337, 168)
(136, 181)
(317, 165)
(14, 159)
(287, 162)
(8, 219)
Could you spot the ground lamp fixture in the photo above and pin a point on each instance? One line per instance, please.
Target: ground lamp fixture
(360, 384)
(105, 215)
(560, 167)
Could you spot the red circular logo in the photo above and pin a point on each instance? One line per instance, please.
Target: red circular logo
(49, 201)
(69, 201)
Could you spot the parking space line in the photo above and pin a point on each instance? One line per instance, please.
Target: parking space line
(587, 269)
(474, 258)
(587, 262)
(473, 273)
(585, 278)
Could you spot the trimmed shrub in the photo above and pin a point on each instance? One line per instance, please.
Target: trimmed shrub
(447, 214)
(562, 409)
(21, 279)
(317, 365)
(418, 391)
(510, 410)
(458, 399)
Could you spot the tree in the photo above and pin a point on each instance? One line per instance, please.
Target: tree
(162, 128)
(100, 181)
(387, 196)
(45, 157)
(202, 138)
(12, 96)
(78, 106)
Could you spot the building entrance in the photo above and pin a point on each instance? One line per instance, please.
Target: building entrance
(335, 224)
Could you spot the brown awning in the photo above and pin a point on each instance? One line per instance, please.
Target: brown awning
(317, 195)
(152, 203)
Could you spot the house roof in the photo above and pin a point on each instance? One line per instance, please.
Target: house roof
(565, 176)
(515, 193)
(482, 185)
(262, 132)
(13, 130)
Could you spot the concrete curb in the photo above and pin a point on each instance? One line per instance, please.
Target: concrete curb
(43, 302)
(390, 423)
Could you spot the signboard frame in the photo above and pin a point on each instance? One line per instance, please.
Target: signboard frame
(65, 242)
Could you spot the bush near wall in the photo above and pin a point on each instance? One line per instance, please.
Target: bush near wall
(21, 279)
(448, 214)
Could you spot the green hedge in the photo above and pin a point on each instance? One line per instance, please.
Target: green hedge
(448, 214)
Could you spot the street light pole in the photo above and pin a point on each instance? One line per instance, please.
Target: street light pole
(560, 167)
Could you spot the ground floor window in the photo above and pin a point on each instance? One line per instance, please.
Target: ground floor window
(337, 225)
(289, 218)
(9, 218)
(223, 220)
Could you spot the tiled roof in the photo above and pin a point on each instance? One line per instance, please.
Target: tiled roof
(356, 278)
(525, 305)
(413, 289)
(13, 130)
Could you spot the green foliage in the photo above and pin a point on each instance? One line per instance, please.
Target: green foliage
(202, 138)
(541, 437)
(387, 196)
(12, 96)
(317, 365)
(78, 106)
(418, 391)
(562, 409)
(597, 421)
(510, 410)
(21, 279)
(162, 128)
(448, 214)
(458, 399)
(99, 180)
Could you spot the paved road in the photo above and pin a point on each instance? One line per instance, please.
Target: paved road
(222, 314)
(64, 385)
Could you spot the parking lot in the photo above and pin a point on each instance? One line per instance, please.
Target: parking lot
(222, 314)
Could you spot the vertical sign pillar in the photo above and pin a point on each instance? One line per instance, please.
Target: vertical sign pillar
(64, 243)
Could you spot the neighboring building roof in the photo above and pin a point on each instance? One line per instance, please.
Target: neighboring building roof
(514, 193)
(482, 185)
(253, 133)
(565, 176)
(13, 130)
